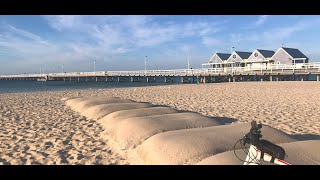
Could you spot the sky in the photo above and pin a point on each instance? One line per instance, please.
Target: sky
(124, 42)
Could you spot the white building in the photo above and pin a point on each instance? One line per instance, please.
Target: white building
(260, 59)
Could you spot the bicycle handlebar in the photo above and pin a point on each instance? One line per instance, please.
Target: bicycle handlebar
(253, 137)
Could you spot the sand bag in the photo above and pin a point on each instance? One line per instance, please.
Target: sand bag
(133, 131)
(98, 111)
(299, 153)
(111, 120)
(86, 104)
(193, 145)
(72, 103)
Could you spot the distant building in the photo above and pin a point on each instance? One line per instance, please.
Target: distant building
(238, 58)
(218, 60)
(260, 59)
(289, 56)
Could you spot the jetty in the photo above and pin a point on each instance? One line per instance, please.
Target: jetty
(275, 72)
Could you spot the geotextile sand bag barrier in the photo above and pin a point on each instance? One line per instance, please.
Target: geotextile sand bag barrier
(190, 146)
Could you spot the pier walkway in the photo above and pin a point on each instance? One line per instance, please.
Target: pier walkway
(274, 73)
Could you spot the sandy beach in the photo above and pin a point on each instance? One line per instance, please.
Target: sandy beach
(38, 128)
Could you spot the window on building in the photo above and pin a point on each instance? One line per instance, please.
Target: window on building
(278, 62)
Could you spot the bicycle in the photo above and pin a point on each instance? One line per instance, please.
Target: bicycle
(260, 149)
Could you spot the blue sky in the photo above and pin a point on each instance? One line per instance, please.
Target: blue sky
(122, 42)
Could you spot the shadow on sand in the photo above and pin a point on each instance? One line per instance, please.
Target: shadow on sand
(225, 120)
(304, 137)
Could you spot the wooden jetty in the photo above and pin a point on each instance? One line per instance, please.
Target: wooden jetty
(310, 71)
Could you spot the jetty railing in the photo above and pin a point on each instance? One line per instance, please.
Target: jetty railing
(77, 74)
(301, 67)
(176, 72)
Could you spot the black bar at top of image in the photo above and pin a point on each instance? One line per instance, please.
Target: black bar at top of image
(158, 7)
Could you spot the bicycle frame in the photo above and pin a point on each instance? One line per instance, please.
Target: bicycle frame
(254, 155)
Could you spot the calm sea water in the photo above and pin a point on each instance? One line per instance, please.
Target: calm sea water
(30, 86)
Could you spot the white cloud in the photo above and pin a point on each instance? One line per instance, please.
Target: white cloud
(120, 50)
(24, 33)
(200, 28)
(258, 22)
(261, 20)
(154, 34)
(62, 22)
(98, 37)
(108, 35)
(130, 21)
(211, 42)
(272, 37)
(287, 31)
(131, 30)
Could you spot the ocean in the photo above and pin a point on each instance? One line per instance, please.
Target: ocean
(31, 86)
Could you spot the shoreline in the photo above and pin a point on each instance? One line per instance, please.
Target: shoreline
(134, 85)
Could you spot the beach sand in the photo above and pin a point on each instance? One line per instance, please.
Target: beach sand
(38, 128)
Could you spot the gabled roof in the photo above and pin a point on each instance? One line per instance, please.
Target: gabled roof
(244, 55)
(223, 56)
(295, 53)
(266, 53)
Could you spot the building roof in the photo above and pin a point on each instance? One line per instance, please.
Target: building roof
(295, 53)
(223, 56)
(266, 53)
(244, 55)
